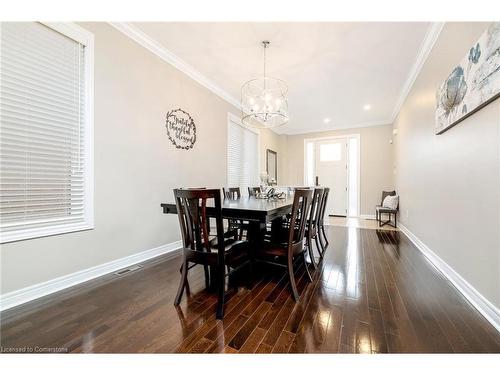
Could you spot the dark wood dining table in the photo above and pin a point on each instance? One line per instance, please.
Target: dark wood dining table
(256, 211)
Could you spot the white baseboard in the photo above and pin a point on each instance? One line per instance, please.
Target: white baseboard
(485, 307)
(18, 297)
(368, 217)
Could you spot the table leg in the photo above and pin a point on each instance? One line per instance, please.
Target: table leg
(255, 238)
(277, 229)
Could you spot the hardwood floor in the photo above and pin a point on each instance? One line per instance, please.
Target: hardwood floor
(373, 293)
(357, 223)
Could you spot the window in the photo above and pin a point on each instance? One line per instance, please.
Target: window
(330, 152)
(242, 156)
(46, 122)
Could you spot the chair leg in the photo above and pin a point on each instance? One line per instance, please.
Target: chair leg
(230, 280)
(291, 276)
(207, 276)
(182, 283)
(319, 246)
(307, 268)
(220, 292)
(323, 244)
(311, 253)
(324, 234)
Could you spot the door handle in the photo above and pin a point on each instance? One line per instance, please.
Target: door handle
(317, 180)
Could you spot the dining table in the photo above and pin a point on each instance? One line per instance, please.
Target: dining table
(257, 212)
(251, 209)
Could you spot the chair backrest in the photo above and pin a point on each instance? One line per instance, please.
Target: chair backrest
(194, 222)
(386, 194)
(300, 209)
(253, 191)
(231, 193)
(322, 206)
(314, 214)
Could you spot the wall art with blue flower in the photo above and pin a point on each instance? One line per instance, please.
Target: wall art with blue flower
(473, 83)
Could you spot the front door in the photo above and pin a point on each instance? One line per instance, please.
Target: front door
(331, 171)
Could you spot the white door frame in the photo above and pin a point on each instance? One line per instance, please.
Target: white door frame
(358, 137)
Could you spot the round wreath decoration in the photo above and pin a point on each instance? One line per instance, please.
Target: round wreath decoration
(181, 129)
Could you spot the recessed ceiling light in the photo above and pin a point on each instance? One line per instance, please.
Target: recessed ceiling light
(367, 107)
(327, 120)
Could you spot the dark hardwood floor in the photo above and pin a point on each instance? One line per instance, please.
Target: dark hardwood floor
(373, 293)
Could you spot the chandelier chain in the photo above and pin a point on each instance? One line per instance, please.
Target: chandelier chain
(265, 43)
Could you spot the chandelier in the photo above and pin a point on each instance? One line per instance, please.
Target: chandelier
(264, 102)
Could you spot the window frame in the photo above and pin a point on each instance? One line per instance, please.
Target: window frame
(86, 38)
(237, 120)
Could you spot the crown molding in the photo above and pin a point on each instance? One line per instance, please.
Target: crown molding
(153, 46)
(430, 39)
(159, 50)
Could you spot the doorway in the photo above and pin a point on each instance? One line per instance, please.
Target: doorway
(334, 162)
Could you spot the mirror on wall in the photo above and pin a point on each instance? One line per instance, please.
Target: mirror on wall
(272, 167)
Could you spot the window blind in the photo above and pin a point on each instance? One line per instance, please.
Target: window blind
(42, 131)
(242, 154)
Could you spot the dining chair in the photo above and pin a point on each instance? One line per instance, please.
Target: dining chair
(321, 222)
(232, 193)
(288, 217)
(312, 227)
(286, 253)
(230, 232)
(253, 191)
(201, 248)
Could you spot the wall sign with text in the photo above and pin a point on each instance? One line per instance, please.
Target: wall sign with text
(181, 129)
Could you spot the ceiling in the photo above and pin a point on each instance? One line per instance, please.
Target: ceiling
(333, 70)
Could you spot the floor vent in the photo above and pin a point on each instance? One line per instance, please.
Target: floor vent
(127, 270)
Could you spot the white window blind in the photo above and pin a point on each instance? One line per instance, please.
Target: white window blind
(242, 157)
(45, 130)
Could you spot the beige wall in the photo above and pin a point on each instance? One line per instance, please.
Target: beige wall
(271, 140)
(449, 184)
(376, 162)
(136, 167)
